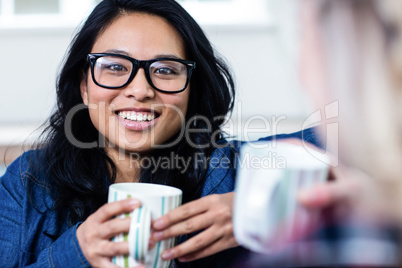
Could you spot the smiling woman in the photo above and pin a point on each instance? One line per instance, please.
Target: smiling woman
(145, 114)
(136, 94)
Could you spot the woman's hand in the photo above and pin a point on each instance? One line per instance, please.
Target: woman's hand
(356, 196)
(95, 232)
(211, 214)
(336, 190)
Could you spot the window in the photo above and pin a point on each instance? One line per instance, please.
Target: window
(36, 6)
(69, 13)
(43, 13)
(229, 12)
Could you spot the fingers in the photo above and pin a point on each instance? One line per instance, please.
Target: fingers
(110, 210)
(204, 244)
(324, 195)
(104, 263)
(191, 225)
(100, 254)
(114, 227)
(317, 196)
(95, 232)
(342, 186)
(192, 217)
(181, 213)
(103, 232)
(111, 249)
(195, 243)
(209, 250)
(212, 215)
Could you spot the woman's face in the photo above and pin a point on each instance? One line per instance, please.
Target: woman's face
(142, 37)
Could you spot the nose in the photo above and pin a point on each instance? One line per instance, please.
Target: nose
(139, 88)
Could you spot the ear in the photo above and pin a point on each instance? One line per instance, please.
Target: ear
(84, 90)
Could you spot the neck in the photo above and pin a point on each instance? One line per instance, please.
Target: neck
(128, 167)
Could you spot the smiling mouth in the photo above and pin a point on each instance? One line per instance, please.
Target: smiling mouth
(137, 116)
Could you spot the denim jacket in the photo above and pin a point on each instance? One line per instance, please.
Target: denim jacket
(32, 236)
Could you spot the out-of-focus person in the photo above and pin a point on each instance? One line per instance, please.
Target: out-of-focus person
(350, 58)
(351, 53)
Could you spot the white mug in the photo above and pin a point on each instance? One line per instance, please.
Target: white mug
(267, 215)
(156, 200)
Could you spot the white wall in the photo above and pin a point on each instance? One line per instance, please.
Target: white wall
(30, 60)
(266, 76)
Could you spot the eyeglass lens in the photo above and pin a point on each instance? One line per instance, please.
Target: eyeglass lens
(165, 75)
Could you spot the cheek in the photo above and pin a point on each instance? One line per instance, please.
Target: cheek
(176, 104)
(98, 95)
(176, 110)
(98, 106)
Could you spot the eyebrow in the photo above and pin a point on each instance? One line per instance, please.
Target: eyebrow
(117, 51)
(122, 52)
(170, 56)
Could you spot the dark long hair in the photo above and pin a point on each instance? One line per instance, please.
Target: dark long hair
(79, 177)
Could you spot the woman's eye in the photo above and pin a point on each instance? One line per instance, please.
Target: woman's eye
(165, 71)
(116, 68)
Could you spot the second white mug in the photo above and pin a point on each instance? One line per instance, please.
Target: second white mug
(266, 212)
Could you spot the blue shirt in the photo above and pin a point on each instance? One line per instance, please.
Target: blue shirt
(31, 234)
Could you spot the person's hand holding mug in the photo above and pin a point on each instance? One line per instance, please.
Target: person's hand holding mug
(95, 232)
(118, 234)
(212, 215)
(358, 196)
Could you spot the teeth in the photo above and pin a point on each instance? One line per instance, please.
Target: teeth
(139, 117)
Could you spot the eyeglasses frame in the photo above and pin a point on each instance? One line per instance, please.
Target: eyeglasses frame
(137, 64)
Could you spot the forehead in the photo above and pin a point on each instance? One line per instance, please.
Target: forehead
(142, 36)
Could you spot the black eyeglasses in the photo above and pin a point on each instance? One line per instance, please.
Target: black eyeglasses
(115, 71)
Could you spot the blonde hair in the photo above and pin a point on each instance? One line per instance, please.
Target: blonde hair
(363, 50)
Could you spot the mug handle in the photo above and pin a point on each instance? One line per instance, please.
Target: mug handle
(139, 234)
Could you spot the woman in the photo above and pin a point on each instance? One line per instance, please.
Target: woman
(361, 68)
(350, 54)
(140, 83)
